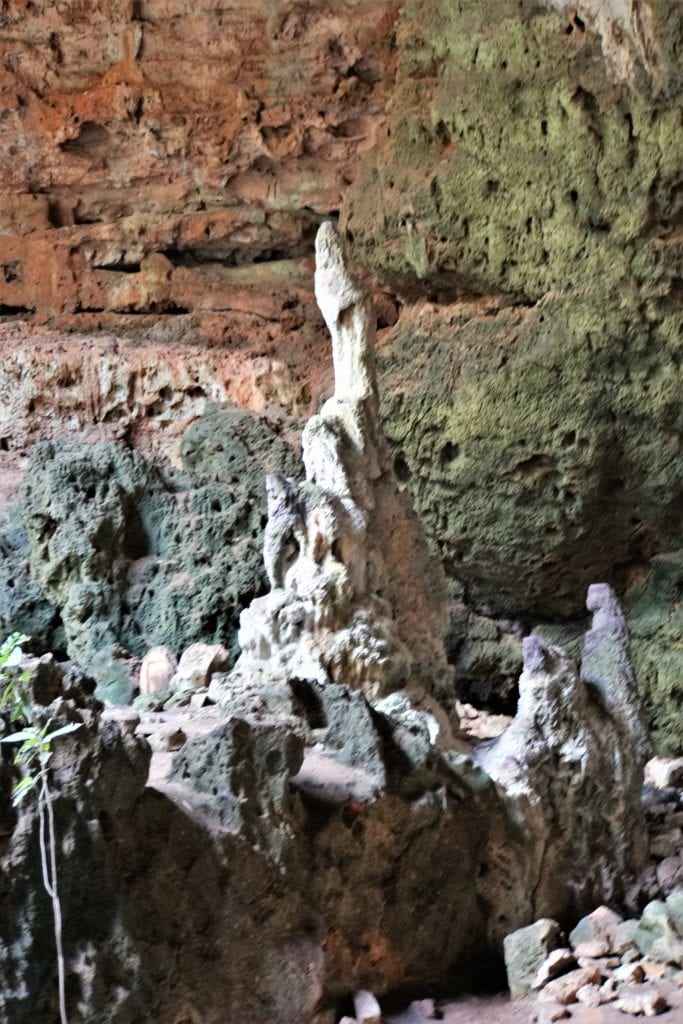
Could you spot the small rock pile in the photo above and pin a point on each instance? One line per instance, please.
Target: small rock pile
(606, 960)
(166, 684)
(663, 802)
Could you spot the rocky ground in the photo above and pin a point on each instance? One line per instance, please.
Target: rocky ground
(594, 985)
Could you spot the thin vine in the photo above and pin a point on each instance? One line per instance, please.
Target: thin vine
(32, 759)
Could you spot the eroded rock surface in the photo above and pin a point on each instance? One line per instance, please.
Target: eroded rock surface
(129, 557)
(523, 199)
(346, 604)
(142, 180)
(303, 836)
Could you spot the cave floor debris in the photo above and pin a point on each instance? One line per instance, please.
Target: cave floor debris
(500, 1009)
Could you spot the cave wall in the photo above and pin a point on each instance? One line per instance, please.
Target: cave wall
(510, 177)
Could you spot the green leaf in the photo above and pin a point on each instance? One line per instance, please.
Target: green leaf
(10, 651)
(64, 730)
(23, 788)
(25, 736)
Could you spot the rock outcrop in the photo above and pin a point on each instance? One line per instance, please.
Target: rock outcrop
(347, 604)
(510, 176)
(575, 768)
(129, 557)
(524, 200)
(303, 836)
(141, 180)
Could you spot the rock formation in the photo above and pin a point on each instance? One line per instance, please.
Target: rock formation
(512, 177)
(521, 198)
(291, 857)
(334, 613)
(574, 765)
(124, 556)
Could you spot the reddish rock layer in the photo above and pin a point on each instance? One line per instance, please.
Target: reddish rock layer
(143, 140)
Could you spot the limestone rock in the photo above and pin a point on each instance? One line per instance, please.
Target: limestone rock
(558, 961)
(242, 770)
(335, 613)
(201, 255)
(674, 906)
(642, 1002)
(197, 665)
(495, 437)
(561, 751)
(328, 781)
(658, 935)
(663, 772)
(667, 842)
(606, 667)
(566, 988)
(489, 176)
(367, 1008)
(629, 973)
(415, 732)
(592, 995)
(166, 738)
(132, 558)
(127, 719)
(670, 874)
(624, 936)
(526, 950)
(23, 605)
(596, 934)
(157, 669)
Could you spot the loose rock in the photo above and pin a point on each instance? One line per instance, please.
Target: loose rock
(663, 772)
(564, 990)
(645, 1001)
(526, 950)
(591, 995)
(595, 934)
(157, 669)
(197, 664)
(367, 1008)
(559, 961)
(629, 973)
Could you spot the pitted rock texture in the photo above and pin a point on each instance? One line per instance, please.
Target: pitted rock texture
(139, 178)
(24, 608)
(294, 888)
(540, 445)
(132, 558)
(555, 758)
(532, 158)
(346, 605)
(531, 155)
(542, 173)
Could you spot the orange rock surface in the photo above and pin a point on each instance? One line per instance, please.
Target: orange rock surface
(152, 149)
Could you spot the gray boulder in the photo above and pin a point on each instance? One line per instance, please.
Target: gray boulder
(526, 950)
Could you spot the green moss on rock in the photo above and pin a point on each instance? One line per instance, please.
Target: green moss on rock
(24, 607)
(512, 164)
(134, 557)
(655, 617)
(541, 447)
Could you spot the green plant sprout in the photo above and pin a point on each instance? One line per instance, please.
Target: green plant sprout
(33, 758)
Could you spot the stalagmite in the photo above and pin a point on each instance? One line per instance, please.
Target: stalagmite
(331, 615)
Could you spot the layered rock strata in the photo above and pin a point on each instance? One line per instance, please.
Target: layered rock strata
(139, 179)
